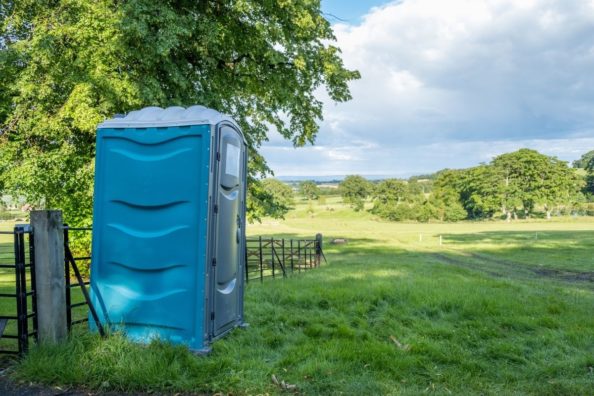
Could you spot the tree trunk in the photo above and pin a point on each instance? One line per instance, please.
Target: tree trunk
(515, 215)
(508, 216)
(548, 211)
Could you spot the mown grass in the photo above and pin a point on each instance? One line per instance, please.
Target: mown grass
(393, 313)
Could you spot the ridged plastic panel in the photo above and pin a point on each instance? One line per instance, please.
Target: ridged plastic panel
(150, 232)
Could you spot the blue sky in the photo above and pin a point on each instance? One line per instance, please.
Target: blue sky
(452, 84)
(349, 11)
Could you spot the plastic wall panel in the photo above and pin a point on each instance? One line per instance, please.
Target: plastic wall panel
(150, 231)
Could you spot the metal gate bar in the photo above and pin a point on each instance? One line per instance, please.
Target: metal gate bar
(21, 264)
(70, 264)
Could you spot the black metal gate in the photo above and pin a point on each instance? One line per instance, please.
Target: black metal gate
(82, 298)
(18, 307)
(18, 318)
(271, 257)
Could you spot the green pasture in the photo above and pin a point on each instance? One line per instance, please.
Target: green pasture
(496, 308)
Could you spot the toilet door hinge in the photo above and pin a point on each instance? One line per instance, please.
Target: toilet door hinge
(214, 262)
(218, 155)
(216, 208)
(212, 316)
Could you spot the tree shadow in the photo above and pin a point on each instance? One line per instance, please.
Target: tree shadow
(560, 256)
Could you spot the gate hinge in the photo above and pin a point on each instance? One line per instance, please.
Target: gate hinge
(216, 208)
(212, 316)
(214, 262)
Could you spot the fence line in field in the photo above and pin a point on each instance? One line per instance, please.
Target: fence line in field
(271, 258)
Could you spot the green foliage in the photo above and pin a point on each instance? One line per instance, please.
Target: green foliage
(400, 212)
(398, 200)
(309, 189)
(590, 165)
(354, 190)
(454, 212)
(530, 178)
(476, 190)
(391, 191)
(523, 180)
(589, 186)
(387, 197)
(67, 65)
(584, 160)
(282, 194)
(588, 189)
(446, 202)
(416, 189)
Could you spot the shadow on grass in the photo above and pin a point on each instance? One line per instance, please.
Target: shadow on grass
(565, 255)
(503, 238)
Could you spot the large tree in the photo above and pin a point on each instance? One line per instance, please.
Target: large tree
(390, 200)
(481, 191)
(283, 196)
(391, 191)
(309, 189)
(354, 190)
(529, 178)
(451, 189)
(66, 65)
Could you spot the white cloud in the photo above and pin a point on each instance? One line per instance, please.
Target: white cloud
(402, 161)
(462, 79)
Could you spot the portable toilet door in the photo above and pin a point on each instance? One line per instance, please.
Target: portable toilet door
(228, 219)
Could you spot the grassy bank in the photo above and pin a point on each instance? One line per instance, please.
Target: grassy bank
(497, 308)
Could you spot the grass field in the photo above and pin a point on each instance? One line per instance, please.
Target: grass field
(496, 308)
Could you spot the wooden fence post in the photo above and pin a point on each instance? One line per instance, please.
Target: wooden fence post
(319, 244)
(261, 259)
(48, 236)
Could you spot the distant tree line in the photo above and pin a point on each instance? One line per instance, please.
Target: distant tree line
(515, 185)
(512, 185)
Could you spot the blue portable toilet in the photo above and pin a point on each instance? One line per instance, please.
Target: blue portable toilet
(168, 255)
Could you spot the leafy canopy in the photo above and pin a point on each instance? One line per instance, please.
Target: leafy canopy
(523, 180)
(309, 189)
(66, 65)
(283, 196)
(585, 160)
(354, 189)
(528, 178)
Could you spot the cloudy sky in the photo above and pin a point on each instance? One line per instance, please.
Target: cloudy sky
(452, 84)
